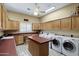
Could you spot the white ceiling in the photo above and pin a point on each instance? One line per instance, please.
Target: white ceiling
(23, 7)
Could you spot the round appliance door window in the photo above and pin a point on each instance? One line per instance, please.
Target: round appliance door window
(69, 46)
(56, 42)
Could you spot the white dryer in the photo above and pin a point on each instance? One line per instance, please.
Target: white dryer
(57, 43)
(70, 46)
(49, 37)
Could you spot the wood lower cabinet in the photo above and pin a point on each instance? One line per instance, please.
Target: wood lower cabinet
(66, 23)
(37, 49)
(75, 23)
(19, 39)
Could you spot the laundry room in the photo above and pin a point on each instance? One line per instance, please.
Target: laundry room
(39, 29)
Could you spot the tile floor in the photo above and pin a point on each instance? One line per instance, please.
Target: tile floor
(22, 50)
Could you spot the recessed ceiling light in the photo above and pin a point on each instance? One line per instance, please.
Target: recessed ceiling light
(35, 13)
(50, 9)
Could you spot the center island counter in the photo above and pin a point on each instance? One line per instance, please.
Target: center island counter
(38, 46)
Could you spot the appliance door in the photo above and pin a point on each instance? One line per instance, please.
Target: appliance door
(69, 46)
(56, 42)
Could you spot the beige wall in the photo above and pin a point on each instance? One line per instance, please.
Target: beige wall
(21, 17)
(61, 13)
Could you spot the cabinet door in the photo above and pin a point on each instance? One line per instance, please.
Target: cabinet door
(40, 27)
(56, 24)
(43, 26)
(4, 18)
(75, 23)
(66, 24)
(0, 18)
(15, 25)
(8, 25)
(12, 25)
(35, 26)
(48, 26)
(19, 39)
(5, 22)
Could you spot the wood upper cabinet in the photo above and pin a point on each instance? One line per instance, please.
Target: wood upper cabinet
(36, 26)
(48, 26)
(75, 23)
(5, 23)
(52, 25)
(44, 26)
(66, 23)
(0, 17)
(56, 24)
(41, 26)
(12, 25)
(4, 18)
(15, 25)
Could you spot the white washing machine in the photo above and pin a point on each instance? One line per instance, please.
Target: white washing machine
(57, 43)
(70, 46)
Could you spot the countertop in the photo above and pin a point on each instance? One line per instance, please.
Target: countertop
(38, 39)
(18, 33)
(7, 47)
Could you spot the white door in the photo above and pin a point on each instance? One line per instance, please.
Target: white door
(25, 27)
(29, 27)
